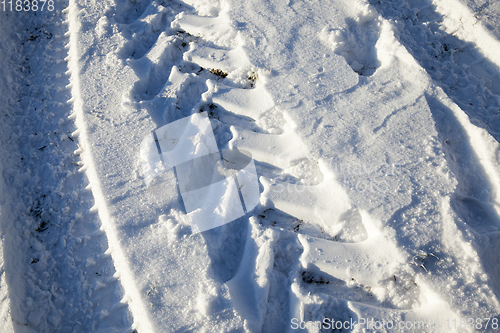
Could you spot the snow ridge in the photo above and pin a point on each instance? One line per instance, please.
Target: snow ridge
(131, 294)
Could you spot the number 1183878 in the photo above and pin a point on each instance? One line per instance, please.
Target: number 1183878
(27, 5)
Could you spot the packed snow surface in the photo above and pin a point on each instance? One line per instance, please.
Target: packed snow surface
(250, 166)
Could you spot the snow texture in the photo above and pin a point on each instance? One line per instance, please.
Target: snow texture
(255, 166)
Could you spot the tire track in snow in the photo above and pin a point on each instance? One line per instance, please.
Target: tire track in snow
(181, 55)
(225, 243)
(59, 275)
(464, 64)
(274, 151)
(8, 62)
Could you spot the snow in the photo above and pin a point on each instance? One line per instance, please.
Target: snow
(257, 166)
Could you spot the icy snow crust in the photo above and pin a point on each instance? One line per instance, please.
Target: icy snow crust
(373, 128)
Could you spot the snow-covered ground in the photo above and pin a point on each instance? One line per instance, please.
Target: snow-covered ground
(365, 133)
